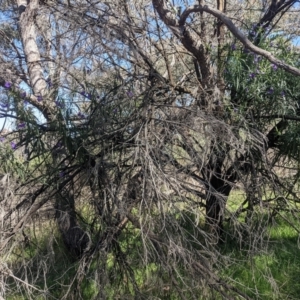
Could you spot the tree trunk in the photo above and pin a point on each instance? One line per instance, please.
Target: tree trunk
(28, 34)
(74, 237)
(215, 206)
(28, 10)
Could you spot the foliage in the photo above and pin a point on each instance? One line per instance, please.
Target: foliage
(135, 123)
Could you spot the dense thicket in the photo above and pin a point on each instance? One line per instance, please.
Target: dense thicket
(128, 124)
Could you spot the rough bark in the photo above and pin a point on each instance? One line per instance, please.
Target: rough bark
(73, 236)
(32, 55)
(216, 199)
(239, 35)
(28, 34)
(193, 44)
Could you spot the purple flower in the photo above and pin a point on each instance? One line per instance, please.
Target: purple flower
(274, 67)
(49, 82)
(22, 125)
(130, 94)
(62, 174)
(13, 145)
(23, 95)
(252, 75)
(253, 30)
(7, 85)
(268, 28)
(81, 115)
(252, 33)
(82, 93)
(4, 105)
(270, 91)
(2, 139)
(257, 59)
(233, 47)
(58, 145)
(59, 104)
(115, 110)
(246, 51)
(39, 98)
(89, 96)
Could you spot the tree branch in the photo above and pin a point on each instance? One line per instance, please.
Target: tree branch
(189, 40)
(239, 35)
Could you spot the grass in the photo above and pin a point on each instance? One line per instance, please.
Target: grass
(271, 271)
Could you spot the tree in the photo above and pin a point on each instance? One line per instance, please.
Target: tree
(150, 113)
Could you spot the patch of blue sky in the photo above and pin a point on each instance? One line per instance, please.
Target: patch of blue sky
(296, 41)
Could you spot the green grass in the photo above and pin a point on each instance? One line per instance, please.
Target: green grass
(271, 271)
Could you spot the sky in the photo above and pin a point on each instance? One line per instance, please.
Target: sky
(8, 123)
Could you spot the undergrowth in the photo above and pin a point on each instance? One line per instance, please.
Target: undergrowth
(271, 271)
